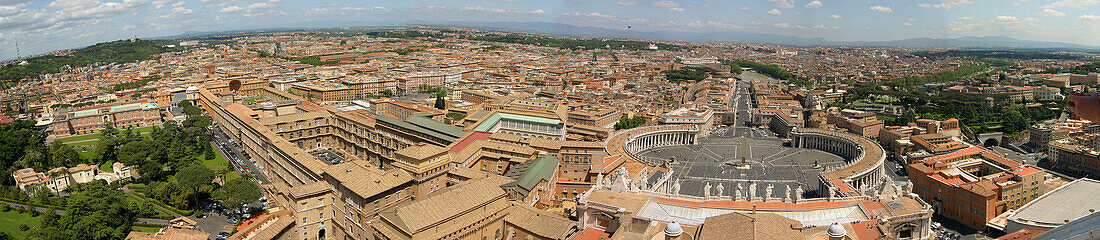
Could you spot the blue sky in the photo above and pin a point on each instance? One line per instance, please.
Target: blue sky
(43, 26)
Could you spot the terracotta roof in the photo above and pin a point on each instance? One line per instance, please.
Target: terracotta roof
(440, 206)
(748, 226)
(367, 181)
(421, 151)
(541, 223)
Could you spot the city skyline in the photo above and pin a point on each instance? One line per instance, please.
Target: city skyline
(44, 26)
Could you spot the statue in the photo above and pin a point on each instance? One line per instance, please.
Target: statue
(737, 193)
(676, 187)
(706, 190)
(788, 194)
(798, 193)
(768, 192)
(752, 191)
(720, 189)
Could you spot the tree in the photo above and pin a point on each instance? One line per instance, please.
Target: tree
(238, 192)
(195, 175)
(440, 103)
(96, 212)
(173, 194)
(628, 123)
(64, 155)
(387, 93)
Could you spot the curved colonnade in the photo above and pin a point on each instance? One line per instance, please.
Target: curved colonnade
(629, 142)
(863, 158)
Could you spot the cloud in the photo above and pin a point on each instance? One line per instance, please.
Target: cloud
(665, 4)
(1089, 18)
(231, 9)
(834, 16)
(1072, 3)
(965, 18)
(946, 4)
(882, 9)
(908, 24)
(182, 10)
(744, 8)
(1006, 19)
(676, 9)
(783, 3)
(1052, 13)
(814, 4)
(774, 12)
(627, 2)
(479, 8)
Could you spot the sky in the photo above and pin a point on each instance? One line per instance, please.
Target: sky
(43, 26)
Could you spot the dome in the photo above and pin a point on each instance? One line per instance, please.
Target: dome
(192, 88)
(673, 229)
(836, 230)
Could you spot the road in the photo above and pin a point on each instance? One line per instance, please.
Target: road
(233, 153)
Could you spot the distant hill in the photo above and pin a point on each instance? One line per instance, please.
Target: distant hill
(109, 52)
(764, 38)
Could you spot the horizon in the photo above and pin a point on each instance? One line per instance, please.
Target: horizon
(40, 27)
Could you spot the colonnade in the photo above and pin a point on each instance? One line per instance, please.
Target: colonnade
(660, 139)
(852, 149)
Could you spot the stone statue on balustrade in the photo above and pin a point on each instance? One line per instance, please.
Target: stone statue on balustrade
(737, 193)
(752, 191)
(706, 190)
(787, 197)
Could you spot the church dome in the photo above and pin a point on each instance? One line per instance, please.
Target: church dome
(836, 230)
(673, 229)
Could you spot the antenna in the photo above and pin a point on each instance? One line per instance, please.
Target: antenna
(18, 54)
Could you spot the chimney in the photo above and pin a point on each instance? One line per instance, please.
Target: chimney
(753, 208)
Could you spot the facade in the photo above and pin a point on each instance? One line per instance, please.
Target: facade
(861, 123)
(1076, 154)
(55, 180)
(595, 116)
(975, 185)
(134, 115)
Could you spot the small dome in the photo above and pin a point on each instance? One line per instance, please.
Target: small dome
(836, 230)
(673, 229)
(192, 88)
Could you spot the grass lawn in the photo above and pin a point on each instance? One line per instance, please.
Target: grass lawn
(107, 167)
(89, 154)
(80, 138)
(232, 175)
(9, 223)
(216, 164)
(99, 136)
(145, 229)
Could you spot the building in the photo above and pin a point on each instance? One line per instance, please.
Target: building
(55, 180)
(620, 212)
(1058, 207)
(1077, 155)
(975, 185)
(95, 119)
(473, 209)
(858, 122)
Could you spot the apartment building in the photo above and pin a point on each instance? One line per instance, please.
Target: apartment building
(974, 185)
(857, 122)
(1077, 155)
